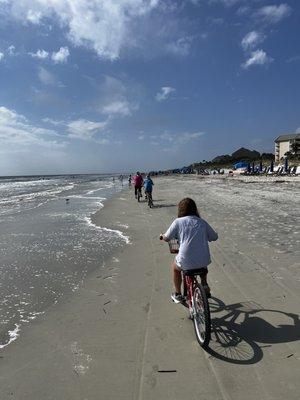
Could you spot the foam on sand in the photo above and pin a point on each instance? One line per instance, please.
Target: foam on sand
(13, 335)
(114, 231)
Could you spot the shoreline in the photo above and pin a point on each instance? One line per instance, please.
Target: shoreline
(16, 330)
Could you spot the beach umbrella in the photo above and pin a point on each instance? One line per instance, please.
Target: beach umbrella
(286, 165)
(272, 166)
(260, 166)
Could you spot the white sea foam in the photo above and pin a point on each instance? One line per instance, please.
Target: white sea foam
(124, 226)
(114, 231)
(13, 335)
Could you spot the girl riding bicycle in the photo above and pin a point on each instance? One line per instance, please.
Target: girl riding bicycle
(193, 234)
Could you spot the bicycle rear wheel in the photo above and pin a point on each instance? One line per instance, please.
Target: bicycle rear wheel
(150, 201)
(201, 315)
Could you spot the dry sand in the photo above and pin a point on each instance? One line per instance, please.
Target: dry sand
(119, 332)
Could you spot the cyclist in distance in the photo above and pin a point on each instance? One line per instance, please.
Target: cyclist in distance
(193, 234)
(138, 183)
(148, 185)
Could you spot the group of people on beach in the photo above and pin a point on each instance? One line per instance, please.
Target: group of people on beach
(139, 182)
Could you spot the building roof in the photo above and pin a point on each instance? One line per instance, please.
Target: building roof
(285, 138)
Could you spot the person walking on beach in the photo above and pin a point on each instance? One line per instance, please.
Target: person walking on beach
(193, 234)
(138, 183)
(129, 180)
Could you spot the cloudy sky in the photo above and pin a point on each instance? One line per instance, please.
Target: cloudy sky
(119, 85)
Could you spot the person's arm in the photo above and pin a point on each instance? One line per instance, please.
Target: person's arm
(211, 234)
(171, 233)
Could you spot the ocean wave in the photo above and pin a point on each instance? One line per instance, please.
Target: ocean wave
(17, 200)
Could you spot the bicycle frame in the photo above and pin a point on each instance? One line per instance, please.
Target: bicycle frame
(188, 284)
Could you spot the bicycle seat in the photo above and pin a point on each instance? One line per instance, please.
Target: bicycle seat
(193, 272)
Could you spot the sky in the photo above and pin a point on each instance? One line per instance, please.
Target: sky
(97, 86)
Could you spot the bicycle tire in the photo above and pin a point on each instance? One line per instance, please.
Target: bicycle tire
(150, 201)
(201, 315)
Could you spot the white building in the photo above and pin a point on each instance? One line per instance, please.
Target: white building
(284, 143)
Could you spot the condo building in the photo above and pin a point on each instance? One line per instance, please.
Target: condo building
(286, 143)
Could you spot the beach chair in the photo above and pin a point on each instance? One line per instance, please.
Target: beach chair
(293, 170)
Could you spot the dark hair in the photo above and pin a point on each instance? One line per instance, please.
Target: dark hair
(187, 207)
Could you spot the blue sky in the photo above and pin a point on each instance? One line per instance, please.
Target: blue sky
(120, 85)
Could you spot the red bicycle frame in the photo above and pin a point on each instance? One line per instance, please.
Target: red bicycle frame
(188, 288)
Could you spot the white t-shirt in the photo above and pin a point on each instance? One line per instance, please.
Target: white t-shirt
(193, 234)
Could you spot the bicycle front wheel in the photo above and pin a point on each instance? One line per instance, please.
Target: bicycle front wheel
(201, 315)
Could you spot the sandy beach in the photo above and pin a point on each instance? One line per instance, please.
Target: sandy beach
(119, 336)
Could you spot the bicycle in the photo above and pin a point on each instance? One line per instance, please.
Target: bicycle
(149, 198)
(139, 194)
(195, 300)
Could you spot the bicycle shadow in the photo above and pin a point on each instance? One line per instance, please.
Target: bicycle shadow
(239, 331)
(163, 205)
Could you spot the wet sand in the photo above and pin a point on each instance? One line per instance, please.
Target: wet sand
(119, 334)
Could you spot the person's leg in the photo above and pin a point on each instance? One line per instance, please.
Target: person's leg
(135, 191)
(204, 279)
(177, 278)
(204, 283)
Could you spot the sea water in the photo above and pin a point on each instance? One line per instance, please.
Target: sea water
(48, 243)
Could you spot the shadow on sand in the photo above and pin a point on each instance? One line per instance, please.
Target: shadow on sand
(238, 328)
(163, 205)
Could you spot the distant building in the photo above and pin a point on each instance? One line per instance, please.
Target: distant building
(285, 143)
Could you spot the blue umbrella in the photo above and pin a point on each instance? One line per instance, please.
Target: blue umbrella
(286, 165)
(248, 168)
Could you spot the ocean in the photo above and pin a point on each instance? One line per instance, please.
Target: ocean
(48, 243)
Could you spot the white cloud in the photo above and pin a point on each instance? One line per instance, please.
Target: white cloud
(120, 107)
(102, 25)
(164, 93)
(11, 50)
(274, 13)
(61, 55)
(82, 129)
(34, 16)
(181, 46)
(47, 78)
(227, 3)
(40, 54)
(258, 57)
(114, 98)
(53, 121)
(85, 130)
(252, 39)
(298, 130)
(176, 138)
(293, 59)
(1, 56)
(188, 136)
(243, 10)
(17, 130)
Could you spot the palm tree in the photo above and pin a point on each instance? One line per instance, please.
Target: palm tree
(294, 147)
